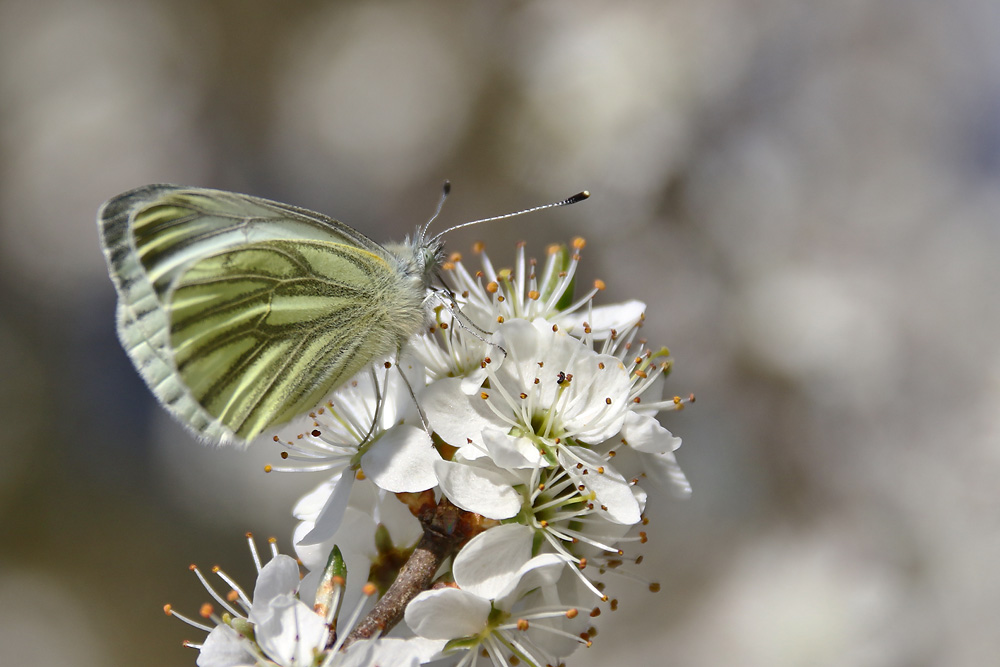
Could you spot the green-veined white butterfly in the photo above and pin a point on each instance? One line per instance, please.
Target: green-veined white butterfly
(241, 313)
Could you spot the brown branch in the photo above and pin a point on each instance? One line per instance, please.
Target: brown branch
(446, 528)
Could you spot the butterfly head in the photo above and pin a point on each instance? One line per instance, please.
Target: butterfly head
(418, 257)
(432, 254)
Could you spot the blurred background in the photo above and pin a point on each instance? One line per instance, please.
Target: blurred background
(807, 196)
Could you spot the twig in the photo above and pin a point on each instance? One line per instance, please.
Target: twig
(446, 528)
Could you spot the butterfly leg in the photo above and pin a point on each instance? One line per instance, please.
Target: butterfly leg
(476, 331)
(413, 395)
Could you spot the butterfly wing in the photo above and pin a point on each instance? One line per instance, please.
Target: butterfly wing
(239, 312)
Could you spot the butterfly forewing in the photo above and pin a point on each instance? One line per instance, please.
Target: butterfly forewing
(173, 226)
(262, 332)
(241, 313)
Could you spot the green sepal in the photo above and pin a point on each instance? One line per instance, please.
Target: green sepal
(331, 586)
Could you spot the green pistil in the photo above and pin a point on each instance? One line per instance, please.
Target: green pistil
(653, 359)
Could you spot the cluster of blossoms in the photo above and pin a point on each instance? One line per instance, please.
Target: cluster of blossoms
(480, 514)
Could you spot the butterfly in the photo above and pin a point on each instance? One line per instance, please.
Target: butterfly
(241, 313)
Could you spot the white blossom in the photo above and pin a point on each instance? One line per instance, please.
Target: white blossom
(547, 397)
(485, 610)
(343, 438)
(274, 627)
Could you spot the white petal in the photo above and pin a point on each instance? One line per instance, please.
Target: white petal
(356, 540)
(612, 491)
(526, 337)
(479, 490)
(598, 397)
(473, 380)
(310, 505)
(489, 563)
(645, 434)
(310, 554)
(447, 613)
(652, 393)
(398, 392)
(603, 319)
(453, 415)
(527, 344)
(278, 579)
(664, 471)
(224, 647)
(543, 570)
(471, 452)
(390, 652)
(510, 452)
(568, 592)
(640, 496)
(307, 588)
(402, 460)
(403, 527)
(293, 634)
(355, 534)
(330, 516)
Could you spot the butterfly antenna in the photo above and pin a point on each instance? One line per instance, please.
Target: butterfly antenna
(578, 197)
(445, 191)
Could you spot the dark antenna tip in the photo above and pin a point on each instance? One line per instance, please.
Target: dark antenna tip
(578, 197)
(445, 191)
